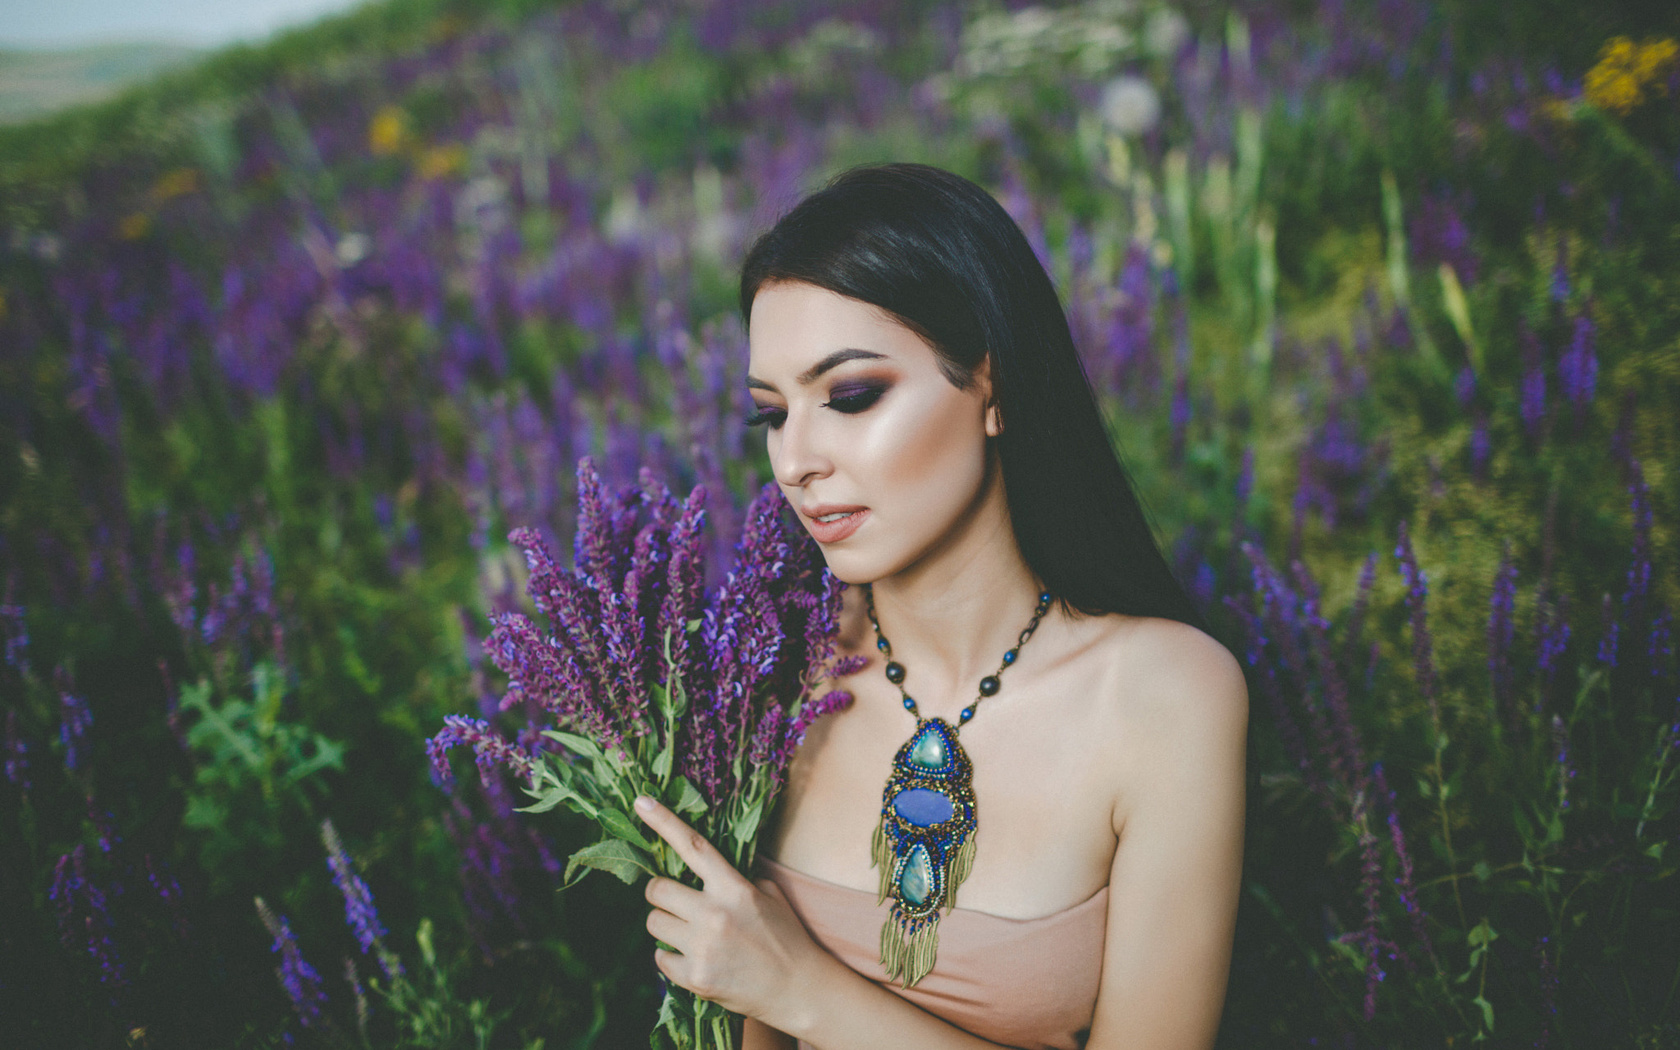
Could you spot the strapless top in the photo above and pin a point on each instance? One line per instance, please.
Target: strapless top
(1027, 983)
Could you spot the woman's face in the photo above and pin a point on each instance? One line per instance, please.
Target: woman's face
(865, 430)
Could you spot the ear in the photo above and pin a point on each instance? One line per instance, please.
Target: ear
(994, 414)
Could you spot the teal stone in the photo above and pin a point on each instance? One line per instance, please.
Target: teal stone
(929, 752)
(915, 885)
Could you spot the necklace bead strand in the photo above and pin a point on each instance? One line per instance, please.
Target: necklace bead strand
(989, 685)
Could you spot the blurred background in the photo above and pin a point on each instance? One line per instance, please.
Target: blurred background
(303, 308)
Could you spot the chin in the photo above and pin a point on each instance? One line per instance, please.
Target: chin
(857, 567)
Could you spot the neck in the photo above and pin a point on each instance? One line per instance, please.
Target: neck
(951, 616)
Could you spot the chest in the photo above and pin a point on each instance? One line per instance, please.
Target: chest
(1044, 784)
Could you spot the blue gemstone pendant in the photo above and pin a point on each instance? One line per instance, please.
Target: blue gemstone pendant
(924, 845)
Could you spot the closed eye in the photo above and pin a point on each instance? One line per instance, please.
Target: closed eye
(771, 416)
(849, 400)
(852, 400)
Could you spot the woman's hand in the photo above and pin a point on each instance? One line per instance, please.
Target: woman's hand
(737, 943)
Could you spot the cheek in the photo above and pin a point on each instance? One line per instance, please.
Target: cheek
(925, 462)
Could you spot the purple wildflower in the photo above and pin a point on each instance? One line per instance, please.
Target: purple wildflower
(1404, 881)
(1553, 631)
(299, 979)
(1481, 448)
(1370, 880)
(353, 978)
(1560, 757)
(168, 889)
(1438, 234)
(1578, 369)
(1548, 991)
(17, 753)
(490, 749)
(15, 630)
(1464, 388)
(1417, 596)
(1661, 648)
(75, 721)
(1607, 646)
(84, 922)
(1502, 631)
(359, 912)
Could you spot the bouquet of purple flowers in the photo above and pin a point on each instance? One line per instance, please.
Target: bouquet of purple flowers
(656, 687)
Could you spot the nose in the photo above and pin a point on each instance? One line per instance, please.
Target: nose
(798, 453)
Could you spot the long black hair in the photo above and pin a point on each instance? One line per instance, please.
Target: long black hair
(940, 255)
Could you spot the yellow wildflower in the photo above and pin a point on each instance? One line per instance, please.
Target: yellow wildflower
(439, 161)
(135, 226)
(1618, 82)
(388, 131)
(177, 182)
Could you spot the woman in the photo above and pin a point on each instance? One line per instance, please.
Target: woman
(928, 419)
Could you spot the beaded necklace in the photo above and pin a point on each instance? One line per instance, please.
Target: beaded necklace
(924, 845)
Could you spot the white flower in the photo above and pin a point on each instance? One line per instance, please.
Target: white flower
(1129, 105)
(1165, 32)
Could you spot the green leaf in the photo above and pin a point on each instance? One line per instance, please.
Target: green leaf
(689, 800)
(1481, 934)
(558, 794)
(1487, 1012)
(662, 762)
(693, 625)
(614, 856)
(619, 825)
(581, 746)
(745, 826)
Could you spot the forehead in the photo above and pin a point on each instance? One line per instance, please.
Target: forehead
(794, 324)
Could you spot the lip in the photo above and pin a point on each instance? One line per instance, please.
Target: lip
(833, 531)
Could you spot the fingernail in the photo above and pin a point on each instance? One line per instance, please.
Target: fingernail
(644, 804)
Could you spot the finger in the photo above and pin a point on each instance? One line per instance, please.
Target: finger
(671, 965)
(673, 896)
(664, 926)
(690, 845)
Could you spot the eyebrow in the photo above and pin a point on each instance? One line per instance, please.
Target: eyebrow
(838, 357)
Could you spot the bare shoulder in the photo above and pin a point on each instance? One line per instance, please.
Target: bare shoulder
(1179, 704)
(1170, 672)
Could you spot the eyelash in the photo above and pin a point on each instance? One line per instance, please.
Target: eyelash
(849, 403)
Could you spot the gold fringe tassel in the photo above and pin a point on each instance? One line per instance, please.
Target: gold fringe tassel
(957, 870)
(908, 958)
(880, 854)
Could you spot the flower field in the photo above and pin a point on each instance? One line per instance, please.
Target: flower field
(1382, 298)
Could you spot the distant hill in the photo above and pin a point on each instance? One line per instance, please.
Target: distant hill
(34, 83)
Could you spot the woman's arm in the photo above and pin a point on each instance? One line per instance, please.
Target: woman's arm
(755, 1035)
(740, 945)
(1177, 873)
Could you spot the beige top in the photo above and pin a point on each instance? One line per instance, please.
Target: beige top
(1027, 983)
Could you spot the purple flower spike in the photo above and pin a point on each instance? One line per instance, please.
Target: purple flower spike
(1417, 598)
(359, 912)
(299, 979)
(15, 632)
(1579, 366)
(84, 922)
(1502, 632)
(17, 753)
(76, 720)
(489, 748)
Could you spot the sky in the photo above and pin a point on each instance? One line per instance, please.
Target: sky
(196, 23)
